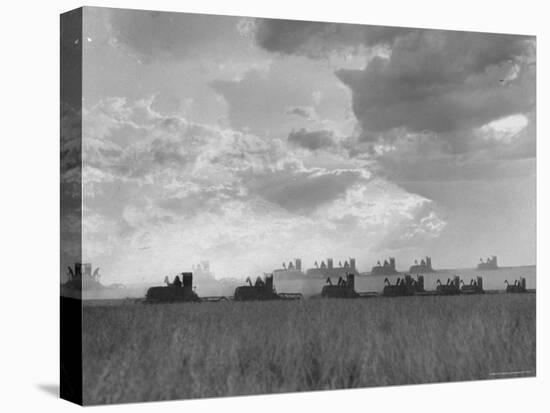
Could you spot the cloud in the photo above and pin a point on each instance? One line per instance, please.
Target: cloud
(316, 39)
(259, 102)
(312, 140)
(154, 35)
(430, 111)
(426, 103)
(425, 157)
(445, 82)
(300, 190)
(306, 112)
(239, 140)
(504, 129)
(387, 217)
(442, 82)
(189, 191)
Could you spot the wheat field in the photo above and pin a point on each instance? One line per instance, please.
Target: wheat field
(137, 352)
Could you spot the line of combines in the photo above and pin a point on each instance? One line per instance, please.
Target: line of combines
(328, 268)
(181, 290)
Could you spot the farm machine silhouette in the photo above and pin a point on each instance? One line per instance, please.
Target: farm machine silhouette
(344, 288)
(177, 291)
(404, 286)
(263, 289)
(182, 290)
(475, 286)
(519, 286)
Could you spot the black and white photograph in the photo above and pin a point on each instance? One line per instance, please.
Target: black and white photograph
(275, 206)
(267, 206)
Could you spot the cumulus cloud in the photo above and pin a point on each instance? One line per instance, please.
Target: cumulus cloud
(389, 218)
(180, 192)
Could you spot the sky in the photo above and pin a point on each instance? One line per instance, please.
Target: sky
(249, 142)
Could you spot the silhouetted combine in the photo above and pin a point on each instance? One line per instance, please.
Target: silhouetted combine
(345, 288)
(475, 286)
(181, 290)
(404, 286)
(518, 286)
(451, 288)
(262, 290)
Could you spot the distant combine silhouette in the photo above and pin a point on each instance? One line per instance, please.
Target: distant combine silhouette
(489, 264)
(404, 286)
(519, 286)
(262, 290)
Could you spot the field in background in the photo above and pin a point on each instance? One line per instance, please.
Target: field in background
(138, 352)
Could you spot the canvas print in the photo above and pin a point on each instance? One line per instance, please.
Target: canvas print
(256, 206)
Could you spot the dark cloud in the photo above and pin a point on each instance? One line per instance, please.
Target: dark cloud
(305, 112)
(312, 140)
(444, 82)
(487, 154)
(318, 38)
(301, 191)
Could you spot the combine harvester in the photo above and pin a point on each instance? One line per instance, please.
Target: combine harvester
(451, 288)
(404, 286)
(177, 291)
(475, 286)
(518, 286)
(344, 288)
(181, 290)
(262, 291)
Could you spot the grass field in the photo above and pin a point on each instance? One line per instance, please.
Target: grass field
(137, 352)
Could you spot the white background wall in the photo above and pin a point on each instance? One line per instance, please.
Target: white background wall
(29, 148)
